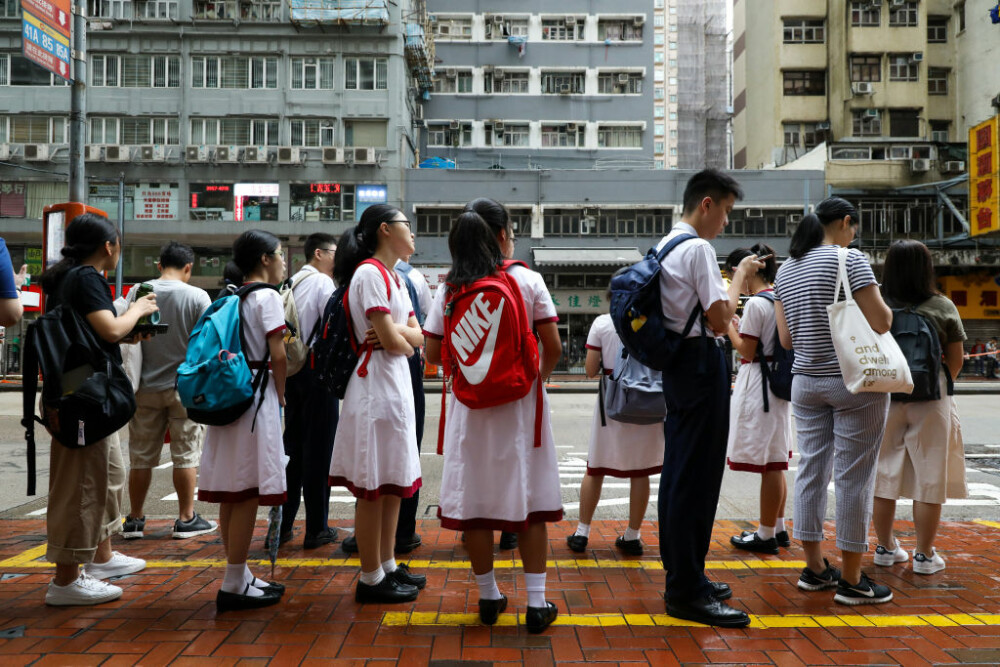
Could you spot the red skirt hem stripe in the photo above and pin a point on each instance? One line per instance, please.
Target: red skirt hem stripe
(375, 494)
(611, 472)
(239, 496)
(753, 467)
(548, 516)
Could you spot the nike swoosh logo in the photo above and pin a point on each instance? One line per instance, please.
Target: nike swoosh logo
(870, 593)
(475, 373)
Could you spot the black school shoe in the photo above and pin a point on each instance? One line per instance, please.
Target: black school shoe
(751, 541)
(407, 545)
(508, 541)
(783, 539)
(403, 575)
(490, 610)
(710, 611)
(577, 543)
(323, 537)
(629, 547)
(387, 591)
(720, 591)
(349, 545)
(235, 602)
(538, 618)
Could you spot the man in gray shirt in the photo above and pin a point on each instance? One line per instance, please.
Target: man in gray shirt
(158, 407)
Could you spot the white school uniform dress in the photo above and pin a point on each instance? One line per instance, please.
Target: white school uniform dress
(494, 477)
(618, 449)
(758, 441)
(239, 462)
(375, 449)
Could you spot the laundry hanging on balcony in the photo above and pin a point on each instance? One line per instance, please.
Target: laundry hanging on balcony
(521, 42)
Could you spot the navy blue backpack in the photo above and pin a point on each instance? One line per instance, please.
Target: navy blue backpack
(637, 312)
(778, 371)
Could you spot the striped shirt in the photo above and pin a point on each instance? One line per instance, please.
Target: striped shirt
(805, 288)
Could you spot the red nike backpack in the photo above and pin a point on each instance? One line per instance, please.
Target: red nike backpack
(489, 352)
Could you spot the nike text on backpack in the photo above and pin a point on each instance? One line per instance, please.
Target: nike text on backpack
(297, 341)
(919, 341)
(637, 311)
(335, 352)
(86, 395)
(776, 369)
(215, 381)
(633, 393)
(489, 352)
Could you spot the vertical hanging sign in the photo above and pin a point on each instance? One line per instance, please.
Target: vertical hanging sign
(984, 178)
(45, 35)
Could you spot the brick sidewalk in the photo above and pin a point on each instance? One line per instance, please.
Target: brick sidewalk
(610, 608)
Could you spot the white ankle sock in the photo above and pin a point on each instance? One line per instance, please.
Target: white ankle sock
(534, 583)
(582, 529)
(765, 532)
(248, 578)
(779, 526)
(373, 578)
(631, 534)
(235, 581)
(389, 566)
(487, 584)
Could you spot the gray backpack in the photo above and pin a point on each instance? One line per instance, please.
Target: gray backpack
(633, 393)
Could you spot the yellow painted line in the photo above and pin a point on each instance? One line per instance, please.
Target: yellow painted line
(984, 522)
(402, 618)
(25, 558)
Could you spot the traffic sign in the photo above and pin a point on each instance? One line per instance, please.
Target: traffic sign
(55, 13)
(44, 45)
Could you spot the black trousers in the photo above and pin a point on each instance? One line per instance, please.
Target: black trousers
(408, 506)
(311, 415)
(696, 428)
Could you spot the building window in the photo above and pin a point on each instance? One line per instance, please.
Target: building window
(500, 81)
(135, 71)
(10, 9)
(366, 73)
(904, 16)
(312, 132)
(23, 129)
(937, 29)
(452, 27)
(937, 81)
(109, 9)
(940, 130)
(904, 123)
(866, 123)
(620, 30)
(620, 83)
(659, 147)
(555, 83)
(321, 202)
(658, 93)
(435, 221)
(245, 10)
(16, 70)
(312, 73)
(569, 29)
(866, 68)
(805, 82)
(138, 131)
(569, 135)
(453, 81)
(512, 135)
(865, 14)
(500, 27)
(155, 9)
(791, 132)
(805, 31)
(452, 133)
(960, 12)
(234, 72)
(619, 136)
(234, 131)
(903, 67)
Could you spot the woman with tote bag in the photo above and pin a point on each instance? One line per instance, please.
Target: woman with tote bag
(838, 431)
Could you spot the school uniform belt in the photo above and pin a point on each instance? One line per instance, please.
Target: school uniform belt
(755, 360)
(257, 365)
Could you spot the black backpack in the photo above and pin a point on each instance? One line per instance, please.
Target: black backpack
(919, 341)
(777, 372)
(86, 395)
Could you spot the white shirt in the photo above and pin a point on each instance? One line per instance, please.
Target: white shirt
(689, 274)
(423, 290)
(311, 297)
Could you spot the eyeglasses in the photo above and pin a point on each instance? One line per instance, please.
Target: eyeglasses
(327, 249)
(278, 253)
(402, 222)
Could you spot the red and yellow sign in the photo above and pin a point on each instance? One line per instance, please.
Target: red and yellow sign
(976, 295)
(984, 178)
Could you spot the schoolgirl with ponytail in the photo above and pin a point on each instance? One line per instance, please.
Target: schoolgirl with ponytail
(375, 450)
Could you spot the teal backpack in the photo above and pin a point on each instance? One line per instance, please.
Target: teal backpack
(215, 381)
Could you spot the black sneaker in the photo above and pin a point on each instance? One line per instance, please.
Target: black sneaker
(629, 547)
(577, 543)
(326, 536)
(195, 526)
(865, 591)
(751, 541)
(508, 541)
(132, 528)
(811, 581)
(783, 539)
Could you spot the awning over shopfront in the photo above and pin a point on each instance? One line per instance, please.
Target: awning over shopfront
(585, 257)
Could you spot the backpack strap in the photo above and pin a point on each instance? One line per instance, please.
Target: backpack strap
(363, 347)
(661, 254)
(28, 394)
(259, 382)
(600, 395)
(765, 370)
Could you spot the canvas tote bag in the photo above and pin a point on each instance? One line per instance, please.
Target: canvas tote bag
(869, 361)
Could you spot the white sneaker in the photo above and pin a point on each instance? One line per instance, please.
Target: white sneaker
(119, 565)
(84, 591)
(924, 565)
(886, 558)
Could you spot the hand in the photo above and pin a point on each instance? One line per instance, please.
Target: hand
(371, 338)
(146, 305)
(750, 265)
(735, 322)
(21, 276)
(281, 399)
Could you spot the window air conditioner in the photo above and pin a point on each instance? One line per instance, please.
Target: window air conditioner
(825, 125)
(115, 153)
(571, 127)
(897, 3)
(153, 153)
(93, 153)
(754, 213)
(227, 154)
(364, 155)
(4, 151)
(872, 114)
(498, 19)
(196, 153)
(36, 152)
(570, 20)
(638, 20)
(861, 88)
(623, 78)
(498, 126)
(454, 125)
(953, 166)
(288, 155)
(451, 73)
(920, 165)
(333, 155)
(565, 89)
(795, 218)
(255, 153)
(916, 57)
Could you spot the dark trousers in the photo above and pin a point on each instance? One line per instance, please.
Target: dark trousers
(696, 391)
(408, 506)
(311, 415)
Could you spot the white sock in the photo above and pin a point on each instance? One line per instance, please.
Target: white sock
(373, 578)
(631, 534)
(765, 532)
(248, 578)
(389, 566)
(487, 586)
(235, 581)
(534, 583)
(582, 529)
(779, 527)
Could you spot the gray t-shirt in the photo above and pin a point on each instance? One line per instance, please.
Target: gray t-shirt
(180, 306)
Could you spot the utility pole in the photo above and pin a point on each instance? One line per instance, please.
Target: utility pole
(78, 105)
(121, 234)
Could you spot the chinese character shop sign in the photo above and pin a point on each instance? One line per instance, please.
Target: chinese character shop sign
(45, 35)
(984, 178)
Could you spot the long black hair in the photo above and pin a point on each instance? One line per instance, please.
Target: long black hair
(492, 212)
(475, 252)
(358, 244)
(770, 269)
(908, 274)
(85, 235)
(248, 249)
(809, 233)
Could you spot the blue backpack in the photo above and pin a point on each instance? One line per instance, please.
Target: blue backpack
(637, 312)
(778, 371)
(215, 382)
